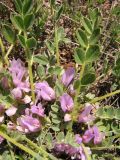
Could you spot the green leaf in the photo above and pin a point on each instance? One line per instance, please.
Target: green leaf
(31, 42)
(9, 34)
(79, 56)
(41, 59)
(60, 137)
(116, 69)
(88, 79)
(95, 36)
(54, 108)
(50, 46)
(27, 6)
(18, 22)
(18, 5)
(41, 71)
(56, 121)
(77, 84)
(22, 40)
(117, 113)
(58, 89)
(92, 53)
(94, 14)
(87, 25)
(52, 2)
(60, 34)
(82, 38)
(55, 128)
(109, 112)
(28, 20)
(59, 12)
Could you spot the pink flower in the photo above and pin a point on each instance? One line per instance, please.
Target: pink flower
(67, 117)
(11, 111)
(17, 93)
(68, 76)
(93, 133)
(2, 110)
(19, 74)
(11, 125)
(78, 138)
(28, 124)
(44, 91)
(86, 115)
(66, 102)
(1, 139)
(27, 99)
(4, 82)
(37, 109)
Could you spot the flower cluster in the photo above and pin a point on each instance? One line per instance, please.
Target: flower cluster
(30, 119)
(73, 152)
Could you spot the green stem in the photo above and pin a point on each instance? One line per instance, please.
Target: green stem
(86, 152)
(105, 148)
(105, 96)
(43, 152)
(3, 52)
(7, 54)
(79, 88)
(28, 56)
(57, 46)
(22, 147)
(31, 80)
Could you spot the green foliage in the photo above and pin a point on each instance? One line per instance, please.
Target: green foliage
(82, 38)
(18, 22)
(92, 53)
(28, 21)
(108, 113)
(9, 34)
(55, 118)
(116, 69)
(31, 43)
(22, 40)
(79, 56)
(88, 79)
(27, 6)
(87, 24)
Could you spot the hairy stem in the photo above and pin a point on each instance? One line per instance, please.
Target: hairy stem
(105, 96)
(22, 147)
(88, 157)
(42, 151)
(57, 46)
(28, 56)
(3, 52)
(31, 80)
(79, 88)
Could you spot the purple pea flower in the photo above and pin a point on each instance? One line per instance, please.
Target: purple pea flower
(78, 138)
(28, 124)
(1, 139)
(68, 76)
(4, 82)
(11, 125)
(86, 115)
(88, 135)
(44, 91)
(19, 76)
(67, 117)
(93, 133)
(73, 152)
(11, 111)
(98, 136)
(2, 110)
(66, 102)
(37, 109)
